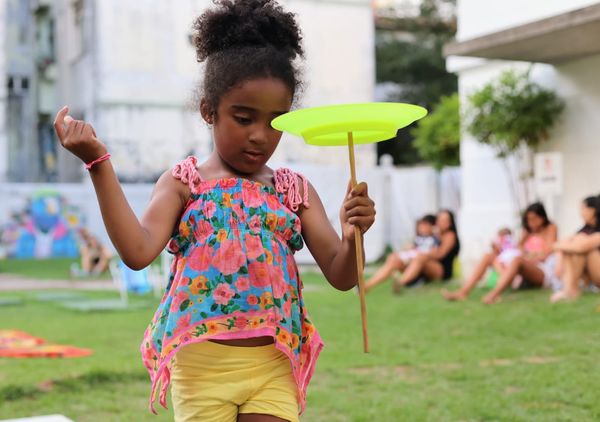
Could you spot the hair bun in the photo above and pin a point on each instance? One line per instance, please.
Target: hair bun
(246, 23)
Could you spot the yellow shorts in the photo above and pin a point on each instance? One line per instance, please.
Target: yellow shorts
(214, 382)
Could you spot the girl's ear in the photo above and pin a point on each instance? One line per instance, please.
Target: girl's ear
(205, 112)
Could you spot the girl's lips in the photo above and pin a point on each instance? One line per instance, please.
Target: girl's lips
(253, 155)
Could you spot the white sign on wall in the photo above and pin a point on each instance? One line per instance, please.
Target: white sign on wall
(548, 173)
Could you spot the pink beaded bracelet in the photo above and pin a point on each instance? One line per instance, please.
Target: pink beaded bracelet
(97, 160)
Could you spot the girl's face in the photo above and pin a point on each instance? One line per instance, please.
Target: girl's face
(534, 221)
(588, 214)
(443, 222)
(244, 138)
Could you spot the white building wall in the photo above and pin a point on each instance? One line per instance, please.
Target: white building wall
(486, 199)
(477, 17)
(339, 40)
(135, 76)
(147, 73)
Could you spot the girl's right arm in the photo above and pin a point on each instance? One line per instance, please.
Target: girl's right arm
(137, 242)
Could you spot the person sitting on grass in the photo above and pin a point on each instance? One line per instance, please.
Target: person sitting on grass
(535, 265)
(94, 255)
(579, 255)
(504, 250)
(424, 242)
(438, 263)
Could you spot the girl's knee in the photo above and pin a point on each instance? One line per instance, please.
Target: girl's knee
(421, 259)
(392, 259)
(517, 262)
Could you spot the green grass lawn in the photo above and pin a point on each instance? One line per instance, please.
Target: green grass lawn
(42, 269)
(520, 360)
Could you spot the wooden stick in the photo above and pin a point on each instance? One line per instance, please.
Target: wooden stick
(359, 252)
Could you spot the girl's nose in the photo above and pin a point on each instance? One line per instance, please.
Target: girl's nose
(259, 135)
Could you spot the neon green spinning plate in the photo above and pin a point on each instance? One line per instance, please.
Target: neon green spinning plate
(330, 125)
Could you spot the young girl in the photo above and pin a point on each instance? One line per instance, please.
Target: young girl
(232, 333)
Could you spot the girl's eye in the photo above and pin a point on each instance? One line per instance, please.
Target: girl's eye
(243, 120)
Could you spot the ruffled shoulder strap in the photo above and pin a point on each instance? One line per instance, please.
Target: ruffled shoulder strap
(187, 171)
(288, 183)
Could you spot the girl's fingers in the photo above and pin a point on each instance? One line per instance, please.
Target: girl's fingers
(360, 210)
(75, 131)
(70, 128)
(358, 201)
(362, 222)
(360, 189)
(80, 128)
(59, 122)
(68, 119)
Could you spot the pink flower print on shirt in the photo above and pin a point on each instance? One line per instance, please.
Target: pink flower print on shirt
(291, 268)
(259, 274)
(239, 213)
(183, 323)
(298, 226)
(254, 246)
(273, 202)
(201, 258)
(229, 182)
(279, 284)
(203, 230)
(229, 257)
(252, 300)
(251, 194)
(281, 222)
(242, 284)
(241, 322)
(276, 250)
(209, 209)
(287, 308)
(223, 294)
(178, 300)
(255, 224)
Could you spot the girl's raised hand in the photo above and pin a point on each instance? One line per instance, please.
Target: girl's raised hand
(78, 137)
(357, 210)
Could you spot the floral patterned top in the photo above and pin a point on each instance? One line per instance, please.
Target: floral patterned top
(234, 275)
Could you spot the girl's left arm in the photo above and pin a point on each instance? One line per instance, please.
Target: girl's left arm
(579, 244)
(337, 257)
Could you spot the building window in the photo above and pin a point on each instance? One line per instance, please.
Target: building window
(79, 25)
(44, 36)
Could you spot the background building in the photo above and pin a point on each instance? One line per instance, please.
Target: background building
(562, 39)
(129, 68)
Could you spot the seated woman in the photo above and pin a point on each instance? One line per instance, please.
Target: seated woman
(438, 263)
(532, 264)
(579, 255)
(94, 256)
(425, 241)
